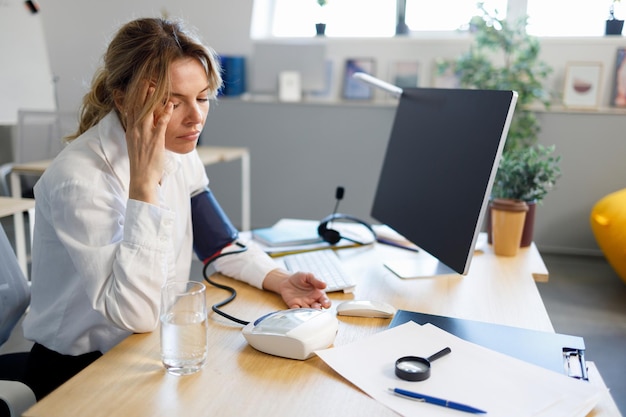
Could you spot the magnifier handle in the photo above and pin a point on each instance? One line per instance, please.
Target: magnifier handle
(442, 352)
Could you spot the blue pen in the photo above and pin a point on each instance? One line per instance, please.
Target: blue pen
(437, 401)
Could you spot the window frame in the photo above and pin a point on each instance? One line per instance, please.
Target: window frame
(263, 22)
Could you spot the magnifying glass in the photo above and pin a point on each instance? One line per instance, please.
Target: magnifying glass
(415, 368)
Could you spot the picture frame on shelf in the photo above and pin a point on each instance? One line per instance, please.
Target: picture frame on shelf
(582, 85)
(354, 89)
(404, 74)
(618, 96)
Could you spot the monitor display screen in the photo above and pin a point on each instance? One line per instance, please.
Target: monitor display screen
(440, 164)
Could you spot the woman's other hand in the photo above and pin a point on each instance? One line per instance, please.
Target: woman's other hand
(299, 290)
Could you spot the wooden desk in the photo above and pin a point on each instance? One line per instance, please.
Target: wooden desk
(35, 168)
(239, 381)
(10, 206)
(216, 154)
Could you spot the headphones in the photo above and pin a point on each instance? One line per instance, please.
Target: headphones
(332, 236)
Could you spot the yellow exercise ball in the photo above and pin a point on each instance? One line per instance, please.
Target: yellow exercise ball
(608, 223)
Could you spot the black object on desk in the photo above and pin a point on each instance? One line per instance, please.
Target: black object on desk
(558, 352)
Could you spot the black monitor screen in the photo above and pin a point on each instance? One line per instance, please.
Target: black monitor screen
(439, 167)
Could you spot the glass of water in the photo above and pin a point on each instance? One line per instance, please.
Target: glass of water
(184, 330)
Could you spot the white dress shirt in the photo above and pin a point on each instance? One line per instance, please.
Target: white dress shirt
(100, 258)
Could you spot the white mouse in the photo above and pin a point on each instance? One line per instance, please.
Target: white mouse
(365, 308)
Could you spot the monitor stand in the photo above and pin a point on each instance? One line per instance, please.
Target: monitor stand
(423, 265)
(406, 268)
(419, 265)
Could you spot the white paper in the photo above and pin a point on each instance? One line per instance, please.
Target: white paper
(470, 374)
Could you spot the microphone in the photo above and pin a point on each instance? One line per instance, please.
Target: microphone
(338, 195)
(326, 225)
(32, 6)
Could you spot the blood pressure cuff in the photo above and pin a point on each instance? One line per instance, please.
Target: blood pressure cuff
(212, 229)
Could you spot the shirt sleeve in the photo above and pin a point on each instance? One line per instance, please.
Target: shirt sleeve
(250, 266)
(121, 247)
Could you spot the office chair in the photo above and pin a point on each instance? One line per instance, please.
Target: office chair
(15, 397)
(608, 222)
(40, 133)
(5, 171)
(40, 136)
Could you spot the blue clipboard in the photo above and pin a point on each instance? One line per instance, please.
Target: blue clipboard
(558, 352)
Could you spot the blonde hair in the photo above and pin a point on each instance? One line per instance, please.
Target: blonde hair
(143, 49)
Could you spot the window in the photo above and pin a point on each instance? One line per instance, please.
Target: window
(449, 15)
(562, 18)
(369, 18)
(343, 18)
(377, 18)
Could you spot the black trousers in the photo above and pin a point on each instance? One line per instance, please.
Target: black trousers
(46, 369)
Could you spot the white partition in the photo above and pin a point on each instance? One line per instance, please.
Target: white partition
(26, 81)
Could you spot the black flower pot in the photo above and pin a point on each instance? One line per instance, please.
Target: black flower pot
(320, 29)
(614, 27)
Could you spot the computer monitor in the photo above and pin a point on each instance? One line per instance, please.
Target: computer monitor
(437, 174)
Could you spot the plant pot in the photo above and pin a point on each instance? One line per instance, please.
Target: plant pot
(320, 29)
(507, 218)
(614, 27)
(529, 225)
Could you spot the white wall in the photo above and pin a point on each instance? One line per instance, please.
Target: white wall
(77, 32)
(25, 78)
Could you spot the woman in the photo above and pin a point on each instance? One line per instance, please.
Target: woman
(113, 210)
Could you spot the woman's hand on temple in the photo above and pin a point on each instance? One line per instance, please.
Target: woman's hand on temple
(145, 138)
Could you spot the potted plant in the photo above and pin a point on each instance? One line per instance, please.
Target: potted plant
(504, 57)
(614, 26)
(320, 28)
(527, 174)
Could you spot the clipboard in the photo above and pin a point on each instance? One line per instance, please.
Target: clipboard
(557, 352)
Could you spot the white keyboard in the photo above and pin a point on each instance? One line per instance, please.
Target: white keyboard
(325, 265)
